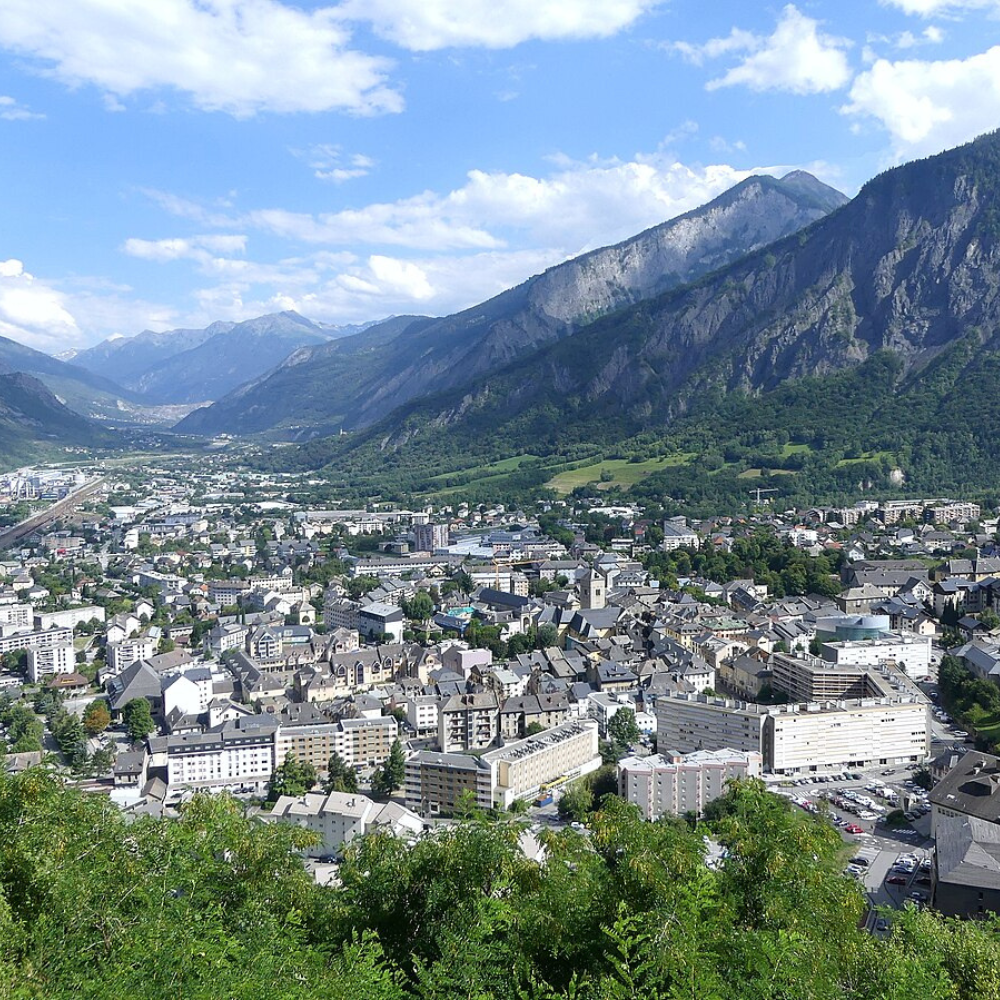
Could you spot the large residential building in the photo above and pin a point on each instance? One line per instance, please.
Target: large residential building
(675, 784)
(235, 756)
(468, 722)
(361, 743)
(430, 537)
(15, 618)
(36, 640)
(910, 652)
(51, 662)
(378, 619)
(810, 678)
(121, 654)
(803, 737)
(436, 782)
(69, 618)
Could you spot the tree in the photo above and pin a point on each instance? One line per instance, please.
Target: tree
(340, 777)
(420, 607)
(623, 728)
(576, 803)
(292, 777)
(138, 719)
(96, 718)
(391, 774)
(533, 729)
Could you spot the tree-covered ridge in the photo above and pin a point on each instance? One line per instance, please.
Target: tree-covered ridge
(216, 905)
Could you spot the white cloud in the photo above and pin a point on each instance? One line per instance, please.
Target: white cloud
(330, 163)
(797, 57)
(195, 247)
(935, 8)
(425, 25)
(579, 205)
(927, 106)
(32, 312)
(237, 56)
(12, 111)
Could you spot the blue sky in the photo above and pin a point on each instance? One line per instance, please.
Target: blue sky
(169, 164)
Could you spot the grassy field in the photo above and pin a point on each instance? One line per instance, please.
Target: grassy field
(615, 472)
(493, 468)
(755, 473)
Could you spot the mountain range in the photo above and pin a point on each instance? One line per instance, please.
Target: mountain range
(362, 379)
(887, 309)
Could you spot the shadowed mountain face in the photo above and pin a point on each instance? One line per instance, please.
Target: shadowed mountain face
(877, 328)
(359, 380)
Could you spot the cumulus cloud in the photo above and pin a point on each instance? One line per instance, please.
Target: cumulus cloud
(236, 56)
(426, 25)
(579, 205)
(32, 312)
(796, 57)
(927, 106)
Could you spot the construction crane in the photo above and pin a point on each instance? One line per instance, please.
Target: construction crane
(759, 492)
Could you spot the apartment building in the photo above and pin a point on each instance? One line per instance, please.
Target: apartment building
(36, 640)
(809, 678)
(911, 652)
(672, 784)
(361, 743)
(69, 618)
(15, 618)
(50, 662)
(121, 654)
(689, 722)
(468, 722)
(436, 782)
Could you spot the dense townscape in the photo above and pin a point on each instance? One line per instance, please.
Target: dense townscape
(381, 671)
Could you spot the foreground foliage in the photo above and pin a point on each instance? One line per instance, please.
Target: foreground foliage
(217, 905)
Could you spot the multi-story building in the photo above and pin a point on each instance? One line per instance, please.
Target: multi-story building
(468, 722)
(689, 722)
(430, 537)
(361, 743)
(676, 535)
(799, 738)
(15, 618)
(235, 756)
(675, 784)
(380, 619)
(911, 652)
(339, 612)
(810, 678)
(69, 618)
(121, 654)
(36, 640)
(50, 662)
(437, 782)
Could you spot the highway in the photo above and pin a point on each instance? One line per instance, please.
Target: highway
(51, 513)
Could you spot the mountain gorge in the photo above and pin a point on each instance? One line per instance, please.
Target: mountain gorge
(363, 381)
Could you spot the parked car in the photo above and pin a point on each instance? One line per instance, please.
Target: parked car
(896, 880)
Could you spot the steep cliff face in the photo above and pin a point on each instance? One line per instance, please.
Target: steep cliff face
(910, 266)
(438, 355)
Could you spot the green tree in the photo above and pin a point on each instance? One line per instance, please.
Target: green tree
(340, 776)
(623, 728)
(576, 803)
(96, 717)
(292, 777)
(138, 719)
(420, 607)
(391, 774)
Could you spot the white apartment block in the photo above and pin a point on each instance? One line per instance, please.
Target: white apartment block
(121, 654)
(674, 784)
(799, 738)
(15, 618)
(50, 662)
(422, 713)
(826, 736)
(237, 756)
(36, 640)
(69, 618)
(911, 652)
(360, 743)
